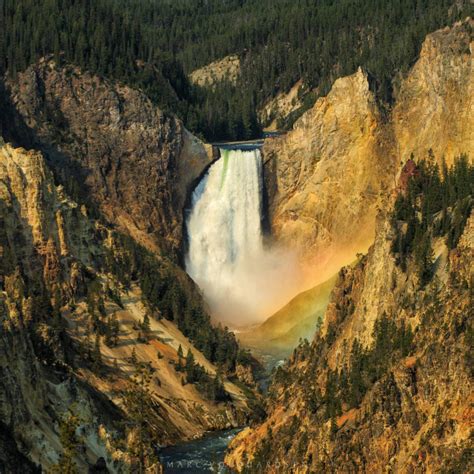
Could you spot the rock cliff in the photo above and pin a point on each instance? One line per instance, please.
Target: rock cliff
(326, 177)
(73, 334)
(109, 143)
(225, 69)
(41, 230)
(386, 385)
(278, 109)
(434, 103)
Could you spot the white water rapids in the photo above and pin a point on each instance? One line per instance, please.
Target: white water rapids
(243, 281)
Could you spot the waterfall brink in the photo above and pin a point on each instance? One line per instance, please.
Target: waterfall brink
(226, 256)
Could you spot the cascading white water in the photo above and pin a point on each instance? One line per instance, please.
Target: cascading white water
(226, 255)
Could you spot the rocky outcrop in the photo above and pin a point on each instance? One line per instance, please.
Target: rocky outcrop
(326, 178)
(417, 416)
(278, 109)
(42, 230)
(41, 234)
(110, 143)
(434, 104)
(386, 385)
(225, 69)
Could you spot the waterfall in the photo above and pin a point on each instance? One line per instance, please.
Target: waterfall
(226, 256)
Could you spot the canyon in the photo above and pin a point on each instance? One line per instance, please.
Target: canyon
(416, 416)
(51, 245)
(131, 160)
(93, 190)
(109, 261)
(327, 178)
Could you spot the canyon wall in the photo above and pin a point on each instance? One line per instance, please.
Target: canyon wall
(63, 288)
(225, 69)
(93, 298)
(386, 384)
(108, 143)
(416, 416)
(434, 103)
(41, 231)
(327, 177)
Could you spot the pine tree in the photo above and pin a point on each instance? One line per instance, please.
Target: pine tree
(70, 443)
(137, 401)
(189, 360)
(96, 354)
(133, 358)
(146, 324)
(218, 390)
(424, 258)
(108, 339)
(114, 329)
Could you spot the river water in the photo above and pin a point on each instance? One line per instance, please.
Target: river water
(200, 456)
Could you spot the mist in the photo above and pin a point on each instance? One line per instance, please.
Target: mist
(252, 290)
(243, 280)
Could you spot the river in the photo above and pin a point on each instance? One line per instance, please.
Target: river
(199, 456)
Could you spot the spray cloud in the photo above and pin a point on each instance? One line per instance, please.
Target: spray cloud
(243, 280)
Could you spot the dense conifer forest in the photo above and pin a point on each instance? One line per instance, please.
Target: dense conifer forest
(436, 203)
(154, 44)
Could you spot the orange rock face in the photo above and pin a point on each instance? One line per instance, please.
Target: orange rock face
(327, 177)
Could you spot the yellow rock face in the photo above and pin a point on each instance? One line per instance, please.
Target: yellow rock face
(435, 104)
(400, 423)
(45, 237)
(327, 177)
(225, 69)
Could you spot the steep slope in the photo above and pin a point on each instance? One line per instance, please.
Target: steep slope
(326, 178)
(387, 384)
(299, 319)
(109, 144)
(36, 386)
(435, 102)
(274, 113)
(81, 331)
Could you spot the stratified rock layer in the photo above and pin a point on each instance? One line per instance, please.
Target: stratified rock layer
(40, 232)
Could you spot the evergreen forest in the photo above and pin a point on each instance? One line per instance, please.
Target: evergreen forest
(155, 44)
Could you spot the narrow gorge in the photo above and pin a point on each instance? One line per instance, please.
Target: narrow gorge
(236, 237)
